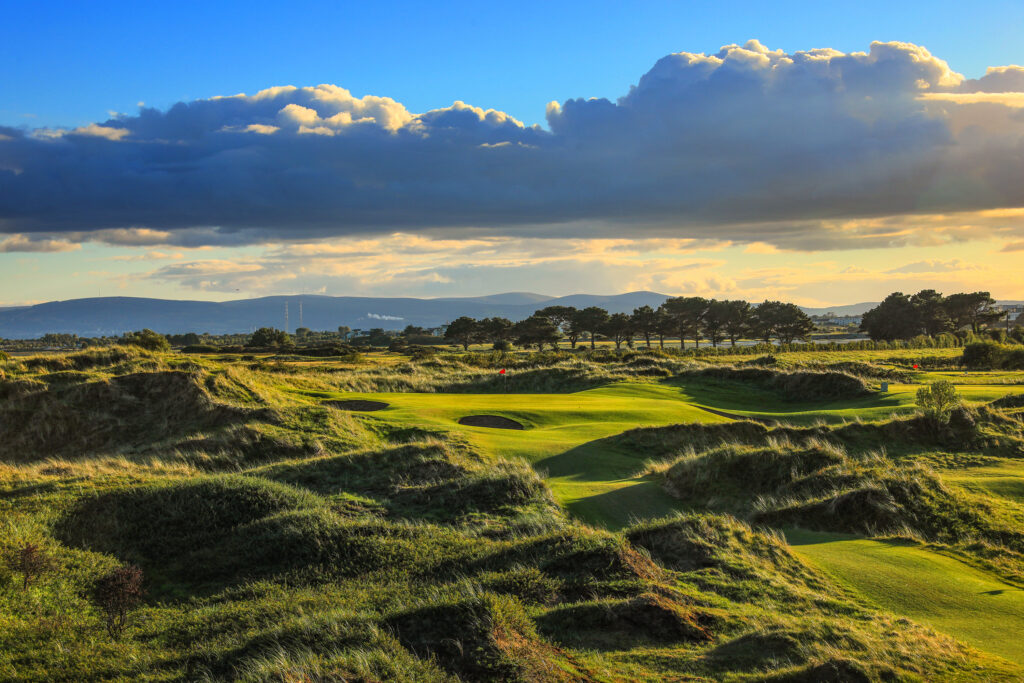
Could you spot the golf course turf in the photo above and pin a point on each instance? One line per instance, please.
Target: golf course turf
(634, 516)
(603, 485)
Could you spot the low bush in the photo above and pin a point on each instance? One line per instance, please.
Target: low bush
(792, 386)
(994, 356)
(201, 348)
(117, 594)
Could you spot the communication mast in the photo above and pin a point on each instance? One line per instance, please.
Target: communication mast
(285, 316)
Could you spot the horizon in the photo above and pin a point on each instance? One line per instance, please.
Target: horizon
(767, 154)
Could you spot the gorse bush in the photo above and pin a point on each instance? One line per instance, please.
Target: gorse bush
(937, 401)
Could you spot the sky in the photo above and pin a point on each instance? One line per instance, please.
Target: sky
(810, 152)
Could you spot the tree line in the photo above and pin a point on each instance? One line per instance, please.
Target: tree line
(929, 313)
(686, 318)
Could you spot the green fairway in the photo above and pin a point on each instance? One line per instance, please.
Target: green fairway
(761, 403)
(564, 433)
(1003, 478)
(924, 585)
(563, 439)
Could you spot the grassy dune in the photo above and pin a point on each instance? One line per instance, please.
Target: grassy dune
(629, 531)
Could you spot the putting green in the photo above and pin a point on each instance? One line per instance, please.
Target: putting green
(924, 585)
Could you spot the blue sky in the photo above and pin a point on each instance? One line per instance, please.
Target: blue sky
(812, 164)
(68, 63)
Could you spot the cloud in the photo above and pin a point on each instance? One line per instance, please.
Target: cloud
(803, 151)
(934, 266)
(28, 243)
(1013, 246)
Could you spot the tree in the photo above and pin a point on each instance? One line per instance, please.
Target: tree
(687, 312)
(895, 318)
(375, 336)
(764, 318)
(117, 594)
(60, 339)
(664, 325)
(413, 331)
(931, 312)
(589, 320)
(937, 401)
(147, 339)
(187, 339)
(974, 309)
(618, 328)
(715, 318)
(344, 331)
(494, 331)
(462, 331)
(792, 323)
(645, 323)
(536, 330)
(269, 337)
(302, 332)
(562, 317)
(737, 320)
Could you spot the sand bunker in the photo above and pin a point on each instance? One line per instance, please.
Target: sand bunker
(492, 421)
(357, 404)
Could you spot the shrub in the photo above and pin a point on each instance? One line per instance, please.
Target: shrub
(331, 350)
(980, 355)
(937, 401)
(200, 348)
(117, 594)
(269, 337)
(147, 339)
(30, 561)
(420, 352)
(992, 355)
(4, 357)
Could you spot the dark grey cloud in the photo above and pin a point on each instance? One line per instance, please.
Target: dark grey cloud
(748, 144)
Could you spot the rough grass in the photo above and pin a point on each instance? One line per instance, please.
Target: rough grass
(283, 539)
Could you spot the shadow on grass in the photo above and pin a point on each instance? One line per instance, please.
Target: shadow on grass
(604, 459)
(735, 395)
(621, 507)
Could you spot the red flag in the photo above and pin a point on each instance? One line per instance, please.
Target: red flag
(502, 371)
(915, 366)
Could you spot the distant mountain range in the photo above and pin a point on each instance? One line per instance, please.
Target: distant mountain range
(116, 315)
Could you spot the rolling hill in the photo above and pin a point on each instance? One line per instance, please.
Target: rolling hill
(116, 315)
